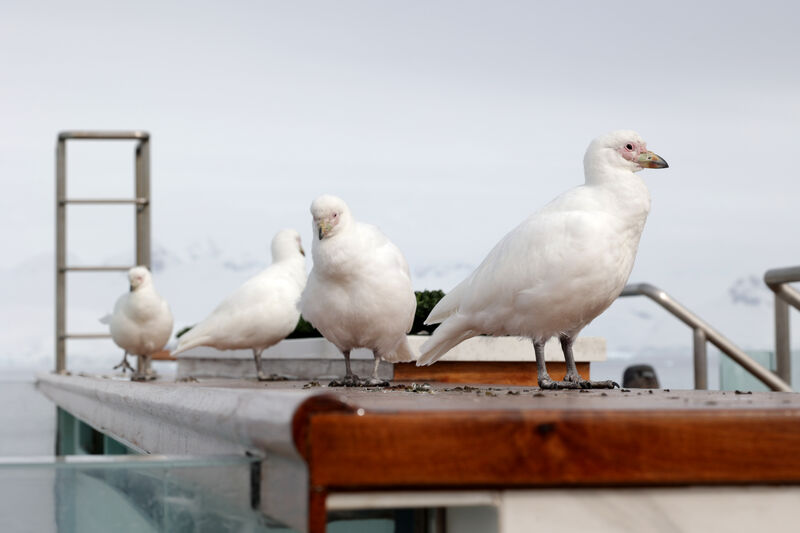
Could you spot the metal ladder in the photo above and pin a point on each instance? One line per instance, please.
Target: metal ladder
(142, 204)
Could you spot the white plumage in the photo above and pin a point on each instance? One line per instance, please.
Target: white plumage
(359, 292)
(560, 268)
(141, 323)
(260, 313)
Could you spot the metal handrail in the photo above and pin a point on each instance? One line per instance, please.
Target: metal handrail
(703, 333)
(778, 280)
(141, 202)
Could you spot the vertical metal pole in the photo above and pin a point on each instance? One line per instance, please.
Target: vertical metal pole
(143, 227)
(783, 354)
(143, 210)
(700, 360)
(61, 254)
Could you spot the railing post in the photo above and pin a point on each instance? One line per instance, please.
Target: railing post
(61, 254)
(700, 360)
(783, 352)
(143, 210)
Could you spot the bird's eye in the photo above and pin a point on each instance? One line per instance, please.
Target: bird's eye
(335, 215)
(629, 146)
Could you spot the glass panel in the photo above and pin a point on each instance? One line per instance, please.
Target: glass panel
(735, 377)
(128, 493)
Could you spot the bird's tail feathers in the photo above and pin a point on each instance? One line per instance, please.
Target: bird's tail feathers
(105, 319)
(446, 336)
(403, 353)
(447, 306)
(187, 344)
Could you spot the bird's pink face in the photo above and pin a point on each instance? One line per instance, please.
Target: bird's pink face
(325, 222)
(637, 152)
(136, 277)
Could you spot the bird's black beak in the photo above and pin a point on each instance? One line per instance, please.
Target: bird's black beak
(130, 288)
(319, 232)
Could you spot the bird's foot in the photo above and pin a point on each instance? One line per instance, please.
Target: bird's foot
(143, 376)
(550, 384)
(350, 380)
(374, 382)
(125, 365)
(578, 380)
(271, 377)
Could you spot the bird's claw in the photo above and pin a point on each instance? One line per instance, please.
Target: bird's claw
(125, 366)
(607, 384)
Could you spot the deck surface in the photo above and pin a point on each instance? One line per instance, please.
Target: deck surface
(443, 436)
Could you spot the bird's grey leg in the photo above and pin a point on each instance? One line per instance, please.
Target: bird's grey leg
(350, 379)
(259, 373)
(572, 370)
(143, 370)
(545, 381)
(124, 364)
(572, 375)
(543, 377)
(375, 381)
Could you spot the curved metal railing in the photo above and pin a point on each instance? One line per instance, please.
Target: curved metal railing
(703, 333)
(778, 280)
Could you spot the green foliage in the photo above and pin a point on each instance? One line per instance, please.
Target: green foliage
(182, 331)
(426, 301)
(304, 330)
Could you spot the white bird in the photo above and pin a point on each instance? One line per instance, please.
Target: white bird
(359, 292)
(141, 323)
(260, 313)
(560, 268)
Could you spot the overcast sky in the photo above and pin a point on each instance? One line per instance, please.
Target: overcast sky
(445, 123)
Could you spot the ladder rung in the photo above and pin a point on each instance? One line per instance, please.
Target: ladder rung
(96, 268)
(137, 201)
(104, 135)
(86, 336)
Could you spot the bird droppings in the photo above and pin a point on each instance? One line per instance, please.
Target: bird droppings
(584, 391)
(311, 385)
(513, 393)
(539, 395)
(490, 393)
(603, 394)
(666, 390)
(414, 387)
(186, 379)
(624, 390)
(744, 392)
(710, 402)
(650, 391)
(465, 388)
